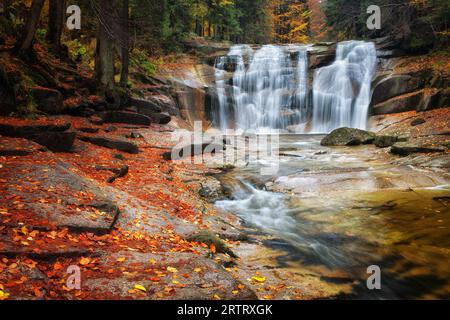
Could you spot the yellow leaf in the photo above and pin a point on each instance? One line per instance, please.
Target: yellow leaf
(3, 295)
(259, 279)
(152, 261)
(85, 261)
(198, 270)
(121, 259)
(140, 288)
(172, 269)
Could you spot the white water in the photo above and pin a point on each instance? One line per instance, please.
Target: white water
(342, 90)
(269, 88)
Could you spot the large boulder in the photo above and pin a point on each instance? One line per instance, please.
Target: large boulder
(48, 100)
(55, 141)
(53, 136)
(348, 137)
(393, 86)
(406, 102)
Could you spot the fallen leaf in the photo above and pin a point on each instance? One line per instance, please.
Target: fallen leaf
(140, 288)
(3, 295)
(259, 279)
(172, 269)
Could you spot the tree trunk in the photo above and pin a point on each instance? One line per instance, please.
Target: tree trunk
(104, 58)
(125, 45)
(25, 43)
(198, 28)
(56, 13)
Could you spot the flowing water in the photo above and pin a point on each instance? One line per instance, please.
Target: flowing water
(330, 211)
(342, 90)
(270, 88)
(342, 210)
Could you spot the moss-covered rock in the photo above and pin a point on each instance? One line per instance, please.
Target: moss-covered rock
(210, 238)
(385, 141)
(348, 137)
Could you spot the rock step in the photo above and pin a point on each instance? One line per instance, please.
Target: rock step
(74, 211)
(125, 117)
(54, 137)
(405, 149)
(110, 143)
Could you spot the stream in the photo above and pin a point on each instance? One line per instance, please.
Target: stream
(328, 213)
(341, 210)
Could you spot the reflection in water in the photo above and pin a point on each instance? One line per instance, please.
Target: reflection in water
(404, 231)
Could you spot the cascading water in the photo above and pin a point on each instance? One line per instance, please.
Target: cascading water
(271, 92)
(342, 90)
(268, 88)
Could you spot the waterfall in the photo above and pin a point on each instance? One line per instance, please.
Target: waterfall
(341, 91)
(268, 88)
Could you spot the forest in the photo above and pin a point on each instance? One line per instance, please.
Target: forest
(102, 199)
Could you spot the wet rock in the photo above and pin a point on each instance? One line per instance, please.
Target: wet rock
(405, 149)
(110, 143)
(160, 118)
(212, 279)
(88, 130)
(394, 85)
(385, 141)
(96, 213)
(322, 54)
(48, 100)
(348, 137)
(125, 117)
(407, 102)
(192, 150)
(22, 131)
(17, 147)
(210, 238)
(418, 122)
(211, 190)
(134, 135)
(12, 249)
(144, 106)
(55, 141)
(438, 99)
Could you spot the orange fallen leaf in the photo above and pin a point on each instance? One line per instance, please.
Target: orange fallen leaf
(85, 261)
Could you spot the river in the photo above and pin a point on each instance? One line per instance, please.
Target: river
(334, 212)
(329, 213)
